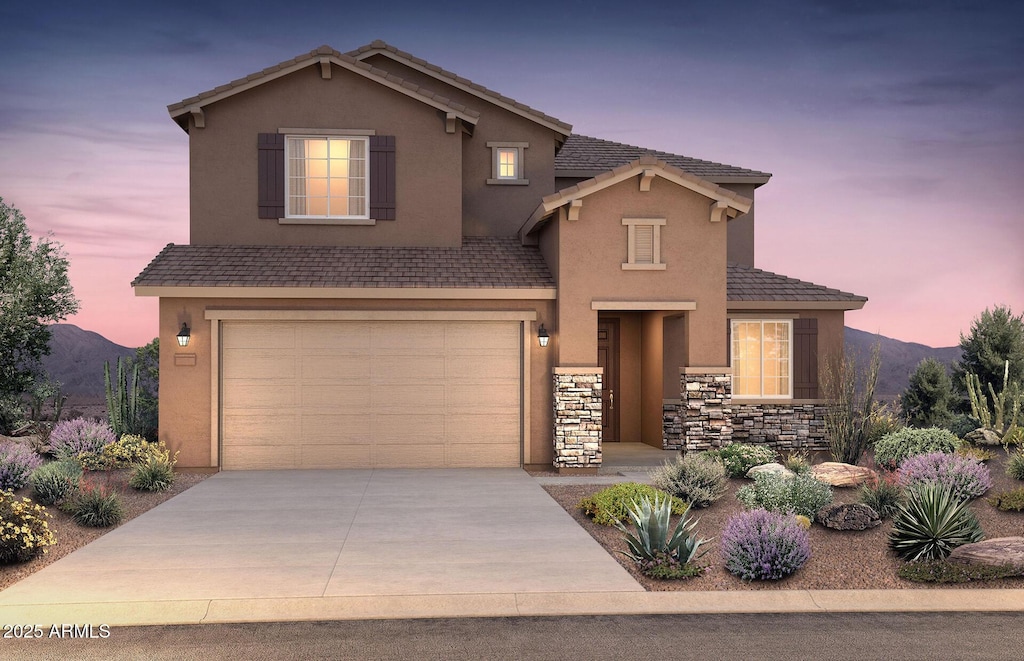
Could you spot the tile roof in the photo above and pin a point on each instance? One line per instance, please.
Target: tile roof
(480, 263)
(746, 283)
(583, 153)
(475, 88)
(313, 56)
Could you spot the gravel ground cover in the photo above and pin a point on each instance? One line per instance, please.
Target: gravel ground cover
(839, 559)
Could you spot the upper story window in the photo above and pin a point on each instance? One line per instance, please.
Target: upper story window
(327, 177)
(762, 358)
(643, 244)
(507, 163)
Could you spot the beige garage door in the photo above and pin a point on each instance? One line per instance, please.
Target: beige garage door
(363, 394)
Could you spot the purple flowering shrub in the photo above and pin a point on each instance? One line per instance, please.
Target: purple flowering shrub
(964, 477)
(71, 438)
(764, 545)
(17, 462)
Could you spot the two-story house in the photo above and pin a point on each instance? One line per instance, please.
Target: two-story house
(391, 265)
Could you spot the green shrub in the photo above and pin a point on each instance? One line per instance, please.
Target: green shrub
(797, 494)
(884, 495)
(962, 424)
(1014, 436)
(55, 481)
(798, 461)
(892, 449)
(24, 531)
(694, 478)
(1008, 501)
(932, 523)
(126, 451)
(1015, 465)
(154, 474)
(944, 571)
(610, 505)
(738, 458)
(655, 545)
(94, 506)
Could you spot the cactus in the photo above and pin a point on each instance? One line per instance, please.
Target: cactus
(1005, 406)
(122, 400)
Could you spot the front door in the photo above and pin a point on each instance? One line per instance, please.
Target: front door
(608, 358)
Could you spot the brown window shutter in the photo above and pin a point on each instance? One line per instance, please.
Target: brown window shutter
(805, 358)
(271, 175)
(382, 177)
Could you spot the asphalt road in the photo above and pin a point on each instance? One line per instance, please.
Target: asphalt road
(802, 636)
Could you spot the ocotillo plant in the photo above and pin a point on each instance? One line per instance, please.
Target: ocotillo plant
(122, 400)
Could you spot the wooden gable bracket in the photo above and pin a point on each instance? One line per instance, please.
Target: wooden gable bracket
(198, 117)
(719, 211)
(574, 209)
(646, 177)
(325, 68)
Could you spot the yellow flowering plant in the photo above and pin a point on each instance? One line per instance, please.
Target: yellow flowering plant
(24, 531)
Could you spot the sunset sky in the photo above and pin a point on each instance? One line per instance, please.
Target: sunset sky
(895, 135)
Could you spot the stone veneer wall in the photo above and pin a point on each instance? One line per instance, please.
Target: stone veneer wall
(783, 426)
(577, 418)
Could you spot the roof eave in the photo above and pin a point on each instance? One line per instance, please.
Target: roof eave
(797, 305)
(756, 180)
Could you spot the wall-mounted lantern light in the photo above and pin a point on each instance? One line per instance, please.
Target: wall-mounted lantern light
(184, 335)
(542, 336)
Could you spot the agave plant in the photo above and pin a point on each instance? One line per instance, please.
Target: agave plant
(932, 523)
(654, 539)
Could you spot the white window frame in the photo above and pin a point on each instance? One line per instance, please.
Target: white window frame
(631, 264)
(308, 219)
(519, 148)
(732, 350)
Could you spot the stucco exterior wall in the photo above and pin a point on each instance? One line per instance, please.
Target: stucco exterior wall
(224, 171)
(492, 209)
(186, 395)
(741, 229)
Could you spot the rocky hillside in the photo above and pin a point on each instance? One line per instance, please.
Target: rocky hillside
(76, 359)
(899, 359)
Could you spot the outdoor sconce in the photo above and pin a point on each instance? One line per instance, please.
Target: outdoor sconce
(184, 335)
(542, 336)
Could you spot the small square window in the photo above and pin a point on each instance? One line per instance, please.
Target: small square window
(643, 244)
(507, 163)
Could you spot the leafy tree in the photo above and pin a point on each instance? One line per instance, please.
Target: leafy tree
(34, 292)
(996, 336)
(927, 399)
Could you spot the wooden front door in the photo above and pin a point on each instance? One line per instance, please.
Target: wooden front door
(608, 358)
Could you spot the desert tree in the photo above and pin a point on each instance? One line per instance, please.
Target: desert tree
(926, 401)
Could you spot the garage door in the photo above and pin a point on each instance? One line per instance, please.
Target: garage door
(363, 394)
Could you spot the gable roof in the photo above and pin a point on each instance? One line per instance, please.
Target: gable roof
(379, 47)
(480, 263)
(751, 288)
(324, 54)
(583, 156)
(645, 166)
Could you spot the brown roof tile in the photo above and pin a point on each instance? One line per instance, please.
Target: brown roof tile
(480, 263)
(746, 283)
(583, 153)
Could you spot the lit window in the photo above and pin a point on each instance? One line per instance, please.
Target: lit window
(762, 363)
(643, 244)
(327, 177)
(507, 163)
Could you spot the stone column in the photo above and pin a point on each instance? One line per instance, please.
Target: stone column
(707, 410)
(577, 419)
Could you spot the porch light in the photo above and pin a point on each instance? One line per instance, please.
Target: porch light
(184, 335)
(542, 336)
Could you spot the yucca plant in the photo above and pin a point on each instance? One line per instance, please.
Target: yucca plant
(654, 539)
(932, 523)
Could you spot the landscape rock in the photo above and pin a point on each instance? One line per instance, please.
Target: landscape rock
(770, 468)
(983, 437)
(852, 516)
(841, 475)
(998, 552)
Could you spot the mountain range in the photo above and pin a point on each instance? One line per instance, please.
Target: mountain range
(77, 356)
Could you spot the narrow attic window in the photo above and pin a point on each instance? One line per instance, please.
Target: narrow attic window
(643, 244)
(507, 163)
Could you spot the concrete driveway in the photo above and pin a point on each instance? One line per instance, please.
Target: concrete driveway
(293, 534)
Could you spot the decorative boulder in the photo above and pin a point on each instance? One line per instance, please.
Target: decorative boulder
(770, 468)
(983, 437)
(853, 516)
(998, 552)
(841, 475)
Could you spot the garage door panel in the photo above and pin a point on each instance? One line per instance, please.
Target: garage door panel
(328, 428)
(471, 368)
(259, 336)
(353, 337)
(469, 456)
(335, 456)
(258, 364)
(335, 397)
(407, 336)
(408, 369)
(409, 456)
(405, 429)
(335, 367)
(477, 335)
(463, 428)
(495, 398)
(255, 427)
(261, 457)
(420, 398)
(247, 393)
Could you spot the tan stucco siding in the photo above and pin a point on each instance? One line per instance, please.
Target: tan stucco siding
(223, 158)
(593, 249)
(491, 209)
(741, 229)
(188, 390)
